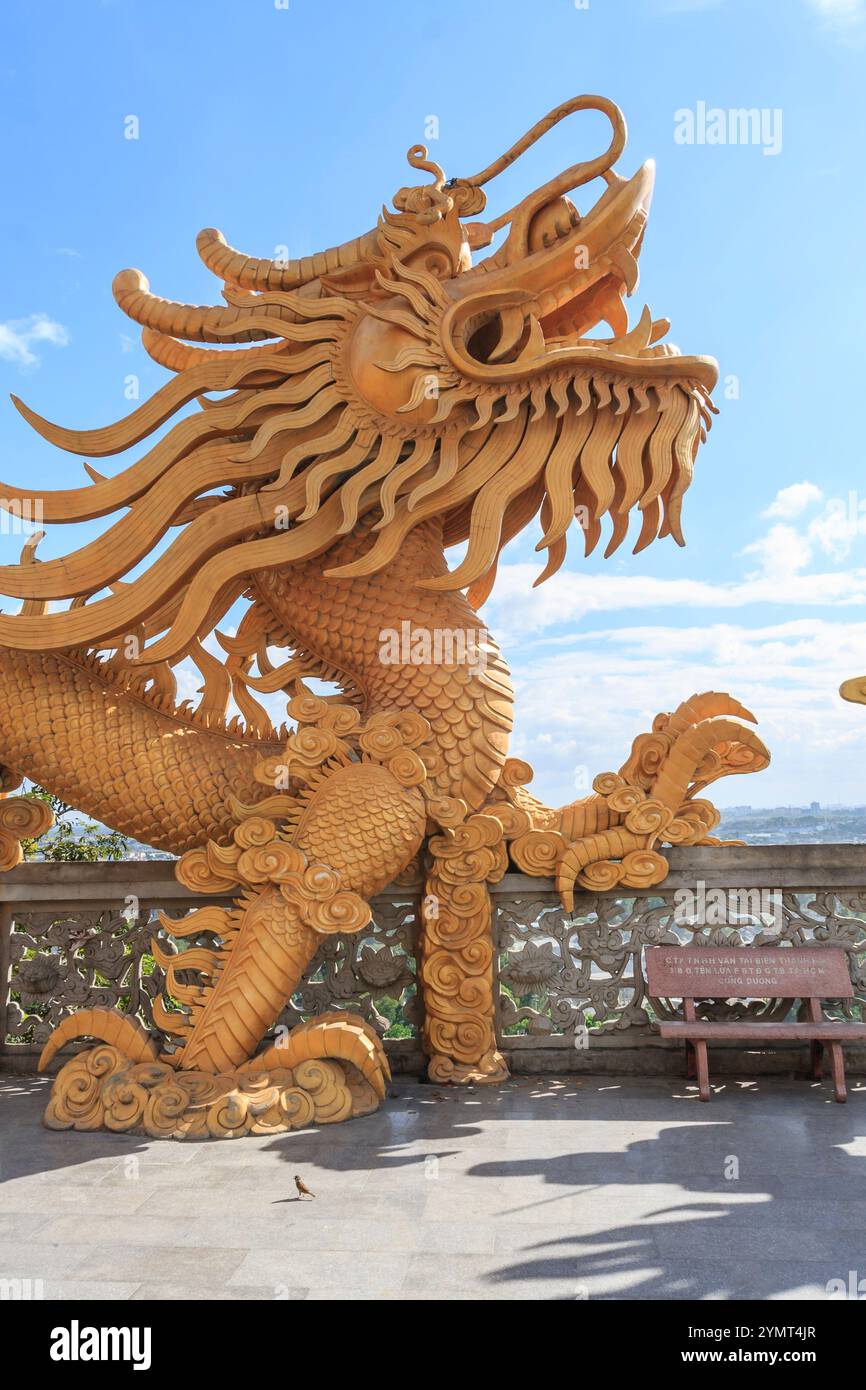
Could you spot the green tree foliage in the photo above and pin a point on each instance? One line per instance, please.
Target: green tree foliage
(70, 840)
(392, 1009)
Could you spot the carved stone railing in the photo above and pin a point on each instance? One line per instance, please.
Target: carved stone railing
(571, 991)
(78, 935)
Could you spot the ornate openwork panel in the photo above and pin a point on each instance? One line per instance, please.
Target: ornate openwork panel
(98, 955)
(563, 977)
(92, 957)
(562, 980)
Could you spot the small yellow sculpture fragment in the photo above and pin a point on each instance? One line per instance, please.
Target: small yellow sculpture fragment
(399, 400)
(21, 818)
(854, 690)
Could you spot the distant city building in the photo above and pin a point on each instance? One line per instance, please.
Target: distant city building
(794, 825)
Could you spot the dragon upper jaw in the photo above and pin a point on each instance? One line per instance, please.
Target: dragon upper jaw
(545, 300)
(577, 256)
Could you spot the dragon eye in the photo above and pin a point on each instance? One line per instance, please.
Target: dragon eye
(502, 335)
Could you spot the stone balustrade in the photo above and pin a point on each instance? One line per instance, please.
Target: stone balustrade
(570, 988)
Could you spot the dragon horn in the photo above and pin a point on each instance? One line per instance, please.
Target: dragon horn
(118, 1030)
(521, 214)
(201, 323)
(179, 357)
(253, 273)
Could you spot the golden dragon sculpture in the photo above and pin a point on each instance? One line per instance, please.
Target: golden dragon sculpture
(397, 400)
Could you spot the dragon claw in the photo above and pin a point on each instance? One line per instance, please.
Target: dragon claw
(652, 801)
(326, 1070)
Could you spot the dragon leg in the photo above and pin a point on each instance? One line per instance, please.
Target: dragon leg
(305, 870)
(457, 958)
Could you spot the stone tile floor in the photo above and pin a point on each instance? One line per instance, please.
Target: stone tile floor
(593, 1187)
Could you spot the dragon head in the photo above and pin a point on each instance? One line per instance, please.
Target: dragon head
(394, 380)
(521, 317)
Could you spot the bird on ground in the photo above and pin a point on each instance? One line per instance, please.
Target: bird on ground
(303, 1190)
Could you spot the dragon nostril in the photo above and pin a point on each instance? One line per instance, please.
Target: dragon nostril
(556, 220)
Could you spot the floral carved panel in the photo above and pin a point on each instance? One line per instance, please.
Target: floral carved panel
(103, 958)
(61, 964)
(562, 976)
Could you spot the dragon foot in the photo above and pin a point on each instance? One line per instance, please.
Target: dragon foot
(122, 1034)
(487, 1071)
(613, 838)
(327, 1070)
(333, 1037)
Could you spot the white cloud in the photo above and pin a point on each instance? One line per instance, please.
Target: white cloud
(836, 529)
(782, 553)
(596, 693)
(792, 501)
(18, 337)
(843, 11)
(847, 18)
(516, 611)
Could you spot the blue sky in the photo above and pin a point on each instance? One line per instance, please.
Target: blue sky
(289, 126)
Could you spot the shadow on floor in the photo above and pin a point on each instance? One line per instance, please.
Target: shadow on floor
(590, 1187)
(757, 1195)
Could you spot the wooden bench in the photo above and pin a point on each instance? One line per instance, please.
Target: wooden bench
(809, 974)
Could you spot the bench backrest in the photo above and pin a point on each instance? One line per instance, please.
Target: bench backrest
(747, 972)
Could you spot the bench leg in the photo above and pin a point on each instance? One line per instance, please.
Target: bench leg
(690, 1061)
(703, 1070)
(837, 1067)
(817, 1060)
